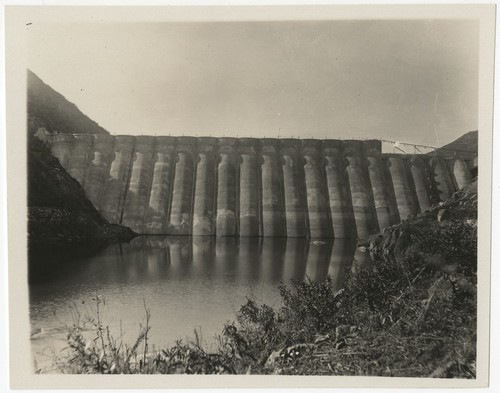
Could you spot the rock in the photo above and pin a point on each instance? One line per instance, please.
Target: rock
(471, 222)
(273, 357)
(463, 285)
(442, 215)
(42, 134)
(297, 350)
(291, 352)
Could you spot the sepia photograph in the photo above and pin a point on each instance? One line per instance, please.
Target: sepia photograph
(249, 192)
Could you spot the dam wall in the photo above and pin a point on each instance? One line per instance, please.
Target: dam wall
(253, 187)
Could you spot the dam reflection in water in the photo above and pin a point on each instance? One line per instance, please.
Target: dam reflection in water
(186, 282)
(246, 260)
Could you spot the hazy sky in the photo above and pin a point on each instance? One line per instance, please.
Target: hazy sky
(412, 81)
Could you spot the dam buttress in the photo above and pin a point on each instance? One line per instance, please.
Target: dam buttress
(256, 187)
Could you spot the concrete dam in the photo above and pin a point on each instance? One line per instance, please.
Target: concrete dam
(256, 187)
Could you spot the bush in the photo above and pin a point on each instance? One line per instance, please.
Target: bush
(100, 353)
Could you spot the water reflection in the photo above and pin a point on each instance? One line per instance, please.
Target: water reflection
(249, 258)
(185, 281)
(341, 252)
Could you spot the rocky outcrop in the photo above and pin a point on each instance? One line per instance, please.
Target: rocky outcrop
(59, 214)
(465, 144)
(456, 217)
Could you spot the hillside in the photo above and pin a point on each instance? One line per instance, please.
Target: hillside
(50, 110)
(466, 145)
(60, 217)
(59, 212)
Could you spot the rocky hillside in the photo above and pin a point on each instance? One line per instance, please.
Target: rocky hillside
(466, 145)
(460, 209)
(59, 214)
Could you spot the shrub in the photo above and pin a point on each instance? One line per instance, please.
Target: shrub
(309, 308)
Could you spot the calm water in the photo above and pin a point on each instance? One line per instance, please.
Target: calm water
(186, 282)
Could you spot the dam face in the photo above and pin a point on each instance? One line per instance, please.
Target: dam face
(256, 187)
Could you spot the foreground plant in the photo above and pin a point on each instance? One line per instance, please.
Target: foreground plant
(411, 313)
(93, 350)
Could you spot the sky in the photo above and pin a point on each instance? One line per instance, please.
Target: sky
(403, 80)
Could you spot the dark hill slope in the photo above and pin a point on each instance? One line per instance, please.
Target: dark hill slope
(466, 145)
(59, 212)
(60, 217)
(50, 110)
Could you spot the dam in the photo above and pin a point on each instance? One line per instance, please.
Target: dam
(249, 187)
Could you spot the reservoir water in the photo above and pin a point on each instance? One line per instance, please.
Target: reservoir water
(186, 282)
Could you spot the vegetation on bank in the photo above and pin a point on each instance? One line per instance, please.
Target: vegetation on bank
(412, 313)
